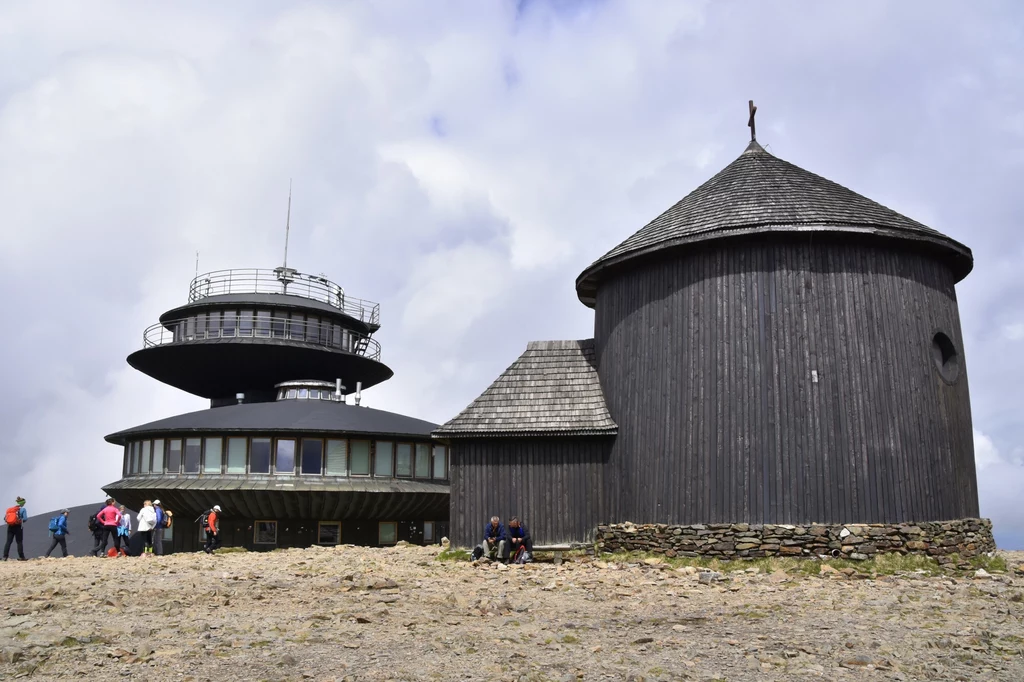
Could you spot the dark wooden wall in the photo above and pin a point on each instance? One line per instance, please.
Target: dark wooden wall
(556, 486)
(706, 362)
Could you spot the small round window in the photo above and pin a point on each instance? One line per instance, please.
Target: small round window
(947, 360)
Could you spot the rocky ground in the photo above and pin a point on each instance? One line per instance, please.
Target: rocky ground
(400, 613)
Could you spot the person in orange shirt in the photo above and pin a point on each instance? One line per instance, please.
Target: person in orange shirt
(212, 529)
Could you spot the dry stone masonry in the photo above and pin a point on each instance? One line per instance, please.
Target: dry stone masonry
(858, 541)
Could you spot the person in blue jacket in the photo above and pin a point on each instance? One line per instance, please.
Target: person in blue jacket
(60, 536)
(519, 537)
(495, 543)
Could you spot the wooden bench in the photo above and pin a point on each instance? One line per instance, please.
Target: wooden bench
(555, 549)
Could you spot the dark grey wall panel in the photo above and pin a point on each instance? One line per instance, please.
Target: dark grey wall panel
(707, 361)
(556, 486)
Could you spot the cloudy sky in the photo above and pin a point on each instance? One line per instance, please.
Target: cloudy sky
(460, 162)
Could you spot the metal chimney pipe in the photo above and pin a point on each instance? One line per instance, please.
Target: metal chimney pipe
(359, 388)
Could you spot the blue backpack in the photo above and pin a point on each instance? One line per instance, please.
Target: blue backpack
(55, 524)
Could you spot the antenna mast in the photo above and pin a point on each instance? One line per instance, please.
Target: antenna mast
(197, 265)
(288, 223)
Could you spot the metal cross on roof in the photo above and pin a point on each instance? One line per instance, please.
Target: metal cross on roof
(750, 121)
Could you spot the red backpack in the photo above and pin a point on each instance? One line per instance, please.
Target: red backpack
(12, 517)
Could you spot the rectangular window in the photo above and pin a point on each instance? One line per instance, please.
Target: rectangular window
(147, 451)
(193, 454)
(337, 458)
(264, 533)
(133, 460)
(230, 322)
(387, 533)
(174, 456)
(325, 333)
(422, 460)
(312, 456)
(277, 324)
(213, 326)
(158, 456)
(245, 323)
(428, 531)
(440, 470)
(259, 456)
(403, 460)
(329, 533)
(297, 328)
(360, 464)
(285, 462)
(336, 336)
(313, 329)
(263, 323)
(236, 455)
(212, 455)
(383, 464)
(190, 328)
(129, 458)
(201, 326)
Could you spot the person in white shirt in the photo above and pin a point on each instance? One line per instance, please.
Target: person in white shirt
(147, 522)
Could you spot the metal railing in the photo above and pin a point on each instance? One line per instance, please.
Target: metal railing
(332, 336)
(282, 281)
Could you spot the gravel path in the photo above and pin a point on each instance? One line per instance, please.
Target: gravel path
(375, 614)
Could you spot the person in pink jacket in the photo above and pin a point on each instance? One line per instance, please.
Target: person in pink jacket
(109, 518)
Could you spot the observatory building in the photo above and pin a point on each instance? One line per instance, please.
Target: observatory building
(285, 448)
(772, 349)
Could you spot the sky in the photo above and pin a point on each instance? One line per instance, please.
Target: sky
(460, 162)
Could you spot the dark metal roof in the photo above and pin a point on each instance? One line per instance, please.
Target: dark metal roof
(552, 389)
(263, 301)
(759, 193)
(306, 416)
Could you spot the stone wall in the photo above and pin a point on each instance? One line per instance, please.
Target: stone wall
(966, 537)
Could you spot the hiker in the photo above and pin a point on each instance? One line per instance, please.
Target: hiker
(96, 528)
(495, 543)
(126, 523)
(15, 519)
(110, 518)
(212, 528)
(519, 539)
(147, 524)
(59, 532)
(158, 530)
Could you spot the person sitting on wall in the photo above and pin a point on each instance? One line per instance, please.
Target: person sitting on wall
(212, 529)
(110, 518)
(520, 544)
(495, 543)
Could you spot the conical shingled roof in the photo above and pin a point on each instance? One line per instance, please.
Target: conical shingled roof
(552, 389)
(760, 193)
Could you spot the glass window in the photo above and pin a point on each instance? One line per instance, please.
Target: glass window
(312, 329)
(337, 458)
(440, 470)
(383, 464)
(127, 458)
(422, 460)
(403, 459)
(303, 393)
(133, 458)
(193, 454)
(360, 464)
(314, 394)
(262, 323)
(264, 533)
(312, 455)
(277, 326)
(201, 326)
(336, 336)
(245, 323)
(297, 328)
(230, 322)
(174, 456)
(259, 456)
(236, 455)
(213, 325)
(285, 462)
(291, 394)
(147, 451)
(428, 531)
(158, 456)
(190, 328)
(212, 455)
(325, 333)
(329, 533)
(387, 533)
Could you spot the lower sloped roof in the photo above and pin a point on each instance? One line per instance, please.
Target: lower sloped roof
(551, 389)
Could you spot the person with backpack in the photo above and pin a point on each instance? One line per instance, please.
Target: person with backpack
(59, 532)
(110, 519)
(147, 523)
(15, 519)
(162, 522)
(211, 524)
(495, 543)
(520, 542)
(96, 528)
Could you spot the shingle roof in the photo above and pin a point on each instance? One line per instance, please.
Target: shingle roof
(551, 389)
(307, 416)
(761, 193)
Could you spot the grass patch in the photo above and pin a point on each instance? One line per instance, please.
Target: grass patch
(570, 639)
(454, 554)
(989, 563)
(230, 550)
